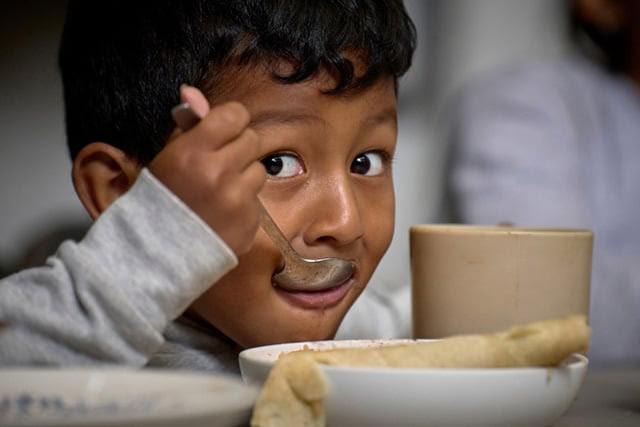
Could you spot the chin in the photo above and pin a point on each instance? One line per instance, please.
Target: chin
(317, 336)
(307, 334)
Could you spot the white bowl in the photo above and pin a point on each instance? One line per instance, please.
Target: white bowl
(122, 397)
(361, 396)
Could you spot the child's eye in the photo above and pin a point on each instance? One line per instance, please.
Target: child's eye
(282, 165)
(370, 163)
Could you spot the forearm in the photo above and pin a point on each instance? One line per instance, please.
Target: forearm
(108, 298)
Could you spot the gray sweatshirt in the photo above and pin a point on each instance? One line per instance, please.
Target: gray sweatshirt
(117, 296)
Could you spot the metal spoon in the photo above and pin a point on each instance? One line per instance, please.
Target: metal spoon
(298, 273)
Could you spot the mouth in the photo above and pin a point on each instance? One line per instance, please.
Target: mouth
(317, 299)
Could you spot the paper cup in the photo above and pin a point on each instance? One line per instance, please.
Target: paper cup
(477, 279)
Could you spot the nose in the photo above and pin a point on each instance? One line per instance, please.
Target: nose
(337, 216)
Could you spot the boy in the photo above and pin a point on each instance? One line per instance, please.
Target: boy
(174, 271)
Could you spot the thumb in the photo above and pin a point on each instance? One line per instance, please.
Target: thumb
(194, 97)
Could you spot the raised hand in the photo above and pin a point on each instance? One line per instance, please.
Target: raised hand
(214, 169)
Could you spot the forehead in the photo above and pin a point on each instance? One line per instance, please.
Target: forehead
(234, 73)
(265, 96)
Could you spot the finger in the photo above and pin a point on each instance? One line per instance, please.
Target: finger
(222, 125)
(242, 152)
(256, 176)
(194, 97)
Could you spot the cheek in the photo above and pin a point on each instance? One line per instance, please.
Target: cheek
(231, 304)
(380, 217)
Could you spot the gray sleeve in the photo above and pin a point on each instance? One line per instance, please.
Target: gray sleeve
(515, 156)
(108, 298)
(379, 314)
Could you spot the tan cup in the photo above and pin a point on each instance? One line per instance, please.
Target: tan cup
(477, 279)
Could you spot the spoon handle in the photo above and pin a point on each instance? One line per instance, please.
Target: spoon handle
(276, 235)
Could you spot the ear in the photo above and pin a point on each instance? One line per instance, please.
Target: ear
(101, 173)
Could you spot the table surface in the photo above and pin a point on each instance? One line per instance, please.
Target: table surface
(608, 397)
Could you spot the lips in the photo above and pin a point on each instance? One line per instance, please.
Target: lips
(313, 300)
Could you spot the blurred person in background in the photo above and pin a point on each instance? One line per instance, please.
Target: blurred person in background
(557, 143)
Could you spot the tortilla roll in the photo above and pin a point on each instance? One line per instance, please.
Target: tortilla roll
(292, 394)
(544, 343)
(295, 388)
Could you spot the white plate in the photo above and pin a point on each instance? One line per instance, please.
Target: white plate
(360, 396)
(122, 397)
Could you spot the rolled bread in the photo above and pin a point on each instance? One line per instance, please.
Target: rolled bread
(296, 386)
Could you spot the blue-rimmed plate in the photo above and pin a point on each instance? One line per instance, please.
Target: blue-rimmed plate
(119, 397)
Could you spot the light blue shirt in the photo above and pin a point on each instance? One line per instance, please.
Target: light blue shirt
(558, 144)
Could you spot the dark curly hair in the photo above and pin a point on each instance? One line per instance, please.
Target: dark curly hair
(122, 62)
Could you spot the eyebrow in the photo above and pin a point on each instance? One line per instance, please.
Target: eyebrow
(282, 117)
(288, 117)
(388, 115)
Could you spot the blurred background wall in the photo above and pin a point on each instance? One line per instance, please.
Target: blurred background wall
(458, 39)
(36, 195)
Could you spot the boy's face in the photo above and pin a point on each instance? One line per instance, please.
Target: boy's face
(329, 189)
